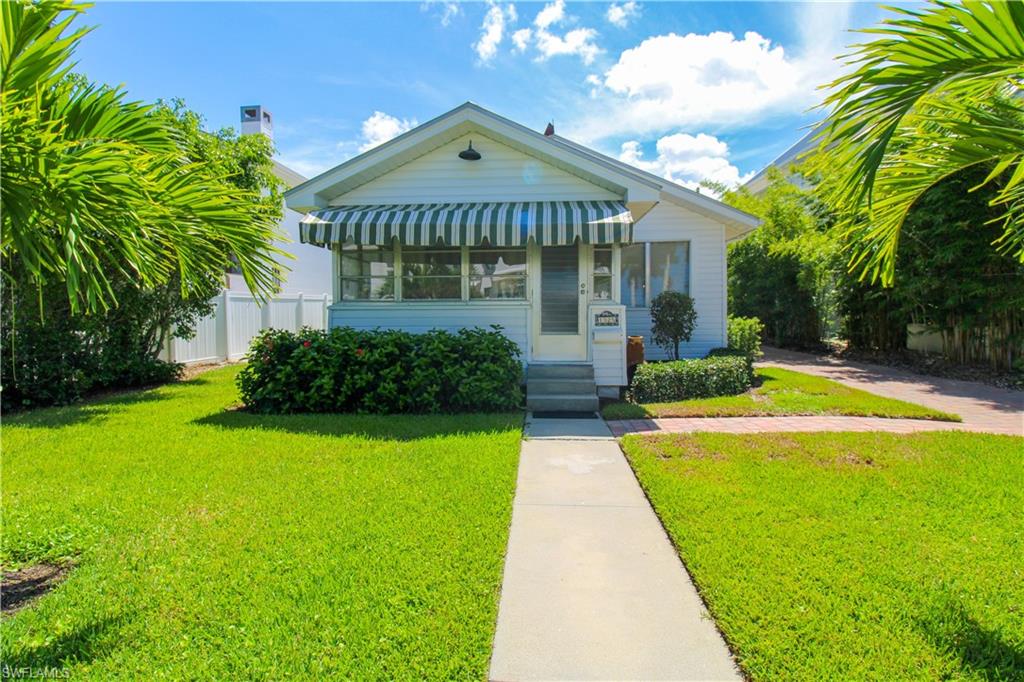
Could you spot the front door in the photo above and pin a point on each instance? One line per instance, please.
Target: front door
(560, 305)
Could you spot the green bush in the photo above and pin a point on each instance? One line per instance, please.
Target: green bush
(673, 319)
(745, 336)
(683, 379)
(381, 371)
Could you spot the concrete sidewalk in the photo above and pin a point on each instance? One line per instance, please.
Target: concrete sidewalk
(593, 589)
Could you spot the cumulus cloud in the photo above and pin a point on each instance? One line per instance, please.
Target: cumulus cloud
(547, 43)
(521, 39)
(687, 160)
(492, 30)
(381, 127)
(550, 15)
(620, 15)
(448, 10)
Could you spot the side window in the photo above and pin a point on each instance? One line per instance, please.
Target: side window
(367, 273)
(633, 284)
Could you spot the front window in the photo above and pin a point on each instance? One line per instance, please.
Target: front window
(432, 274)
(367, 273)
(497, 274)
(602, 273)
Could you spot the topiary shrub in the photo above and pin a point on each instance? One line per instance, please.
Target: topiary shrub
(381, 371)
(673, 319)
(683, 379)
(745, 336)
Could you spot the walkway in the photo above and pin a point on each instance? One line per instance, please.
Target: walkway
(593, 589)
(983, 408)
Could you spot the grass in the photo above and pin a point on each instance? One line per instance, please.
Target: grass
(851, 556)
(782, 392)
(224, 545)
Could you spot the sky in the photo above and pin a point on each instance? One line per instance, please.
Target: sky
(688, 90)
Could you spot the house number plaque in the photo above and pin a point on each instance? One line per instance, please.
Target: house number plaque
(606, 318)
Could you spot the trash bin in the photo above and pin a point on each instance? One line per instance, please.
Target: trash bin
(634, 350)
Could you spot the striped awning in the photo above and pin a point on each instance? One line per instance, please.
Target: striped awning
(469, 224)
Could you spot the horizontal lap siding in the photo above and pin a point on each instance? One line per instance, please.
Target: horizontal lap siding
(502, 174)
(668, 222)
(422, 317)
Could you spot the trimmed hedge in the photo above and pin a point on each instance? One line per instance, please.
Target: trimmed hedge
(381, 371)
(745, 336)
(710, 377)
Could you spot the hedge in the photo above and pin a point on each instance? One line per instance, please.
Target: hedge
(683, 379)
(381, 371)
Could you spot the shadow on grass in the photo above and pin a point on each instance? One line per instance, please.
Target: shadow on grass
(981, 651)
(82, 644)
(375, 427)
(92, 409)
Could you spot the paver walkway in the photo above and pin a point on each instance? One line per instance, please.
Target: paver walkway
(593, 589)
(983, 408)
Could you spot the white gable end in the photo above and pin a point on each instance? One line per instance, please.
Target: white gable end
(502, 174)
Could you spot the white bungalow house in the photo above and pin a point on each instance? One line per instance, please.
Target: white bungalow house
(473, 220)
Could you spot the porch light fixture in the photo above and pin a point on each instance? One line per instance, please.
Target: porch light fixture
(469, 154)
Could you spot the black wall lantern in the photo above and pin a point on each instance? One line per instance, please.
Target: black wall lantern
(469, 154)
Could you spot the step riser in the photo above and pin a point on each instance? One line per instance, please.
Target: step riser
(583, 387)
(562, 403)
(559, 372)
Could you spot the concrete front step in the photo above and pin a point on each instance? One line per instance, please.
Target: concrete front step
(562, 386)
(535, 371)
(556, 402)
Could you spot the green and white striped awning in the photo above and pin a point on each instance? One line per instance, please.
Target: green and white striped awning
(469, 224)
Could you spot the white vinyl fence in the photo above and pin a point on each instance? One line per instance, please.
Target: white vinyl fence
(238, 317)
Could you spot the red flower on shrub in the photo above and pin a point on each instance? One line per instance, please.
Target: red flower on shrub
(359, 352)
(307, 344)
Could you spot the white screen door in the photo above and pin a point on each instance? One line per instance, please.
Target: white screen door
(560, 318)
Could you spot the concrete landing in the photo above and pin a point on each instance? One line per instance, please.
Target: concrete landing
(593, 589)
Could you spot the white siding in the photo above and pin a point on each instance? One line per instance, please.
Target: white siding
(502, 174)
(417, 318)
(668, 222)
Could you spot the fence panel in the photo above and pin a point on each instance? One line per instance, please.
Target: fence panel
(237, 318)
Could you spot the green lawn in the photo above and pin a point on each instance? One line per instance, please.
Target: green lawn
(845, 556)
(223, 545)
(782, 392)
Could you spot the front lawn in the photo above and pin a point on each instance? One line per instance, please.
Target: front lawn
(782, 392)
(851, 556)
(225, 545)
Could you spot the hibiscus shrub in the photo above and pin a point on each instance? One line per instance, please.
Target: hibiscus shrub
(381, 371)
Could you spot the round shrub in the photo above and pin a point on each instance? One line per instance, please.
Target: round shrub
(683, 379)
(381, 371)
(673, 319)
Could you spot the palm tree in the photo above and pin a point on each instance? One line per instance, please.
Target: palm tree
(95, 189)
(938, 92)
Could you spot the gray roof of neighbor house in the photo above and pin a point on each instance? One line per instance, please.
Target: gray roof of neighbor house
(759, 182)
(286, 175)
(602, 170)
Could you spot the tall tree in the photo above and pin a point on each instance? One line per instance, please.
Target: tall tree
(939, 91)
(95, 189)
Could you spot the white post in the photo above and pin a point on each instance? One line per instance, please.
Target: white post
(298, 314)
(224, 328)
(265, 314)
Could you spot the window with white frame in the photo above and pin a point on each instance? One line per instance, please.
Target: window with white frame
(602, 287)
(650, 268)
(417, 273)
(367, 273)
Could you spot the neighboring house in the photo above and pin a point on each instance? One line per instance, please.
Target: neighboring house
(309, 272)
(473, 220)
(784, 163)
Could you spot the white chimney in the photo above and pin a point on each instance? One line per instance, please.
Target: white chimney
(256, 119)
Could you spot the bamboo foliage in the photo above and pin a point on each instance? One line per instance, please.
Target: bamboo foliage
(94, 188)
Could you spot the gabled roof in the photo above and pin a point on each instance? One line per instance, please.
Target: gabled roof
(641, 190)
(783, 162)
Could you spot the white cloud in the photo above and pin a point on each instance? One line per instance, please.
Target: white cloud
(579, 41)
(620, 15)
(687, 160)
(521, 39)
(552, 14)
(492, 30)
(381, 127)
(449, 10)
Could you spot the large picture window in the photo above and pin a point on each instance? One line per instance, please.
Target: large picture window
(651, 268)
(497, 274)
(367, 273)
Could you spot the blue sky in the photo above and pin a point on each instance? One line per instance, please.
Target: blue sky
(685, 90)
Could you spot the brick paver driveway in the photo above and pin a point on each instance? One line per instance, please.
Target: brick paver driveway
(982, 407)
